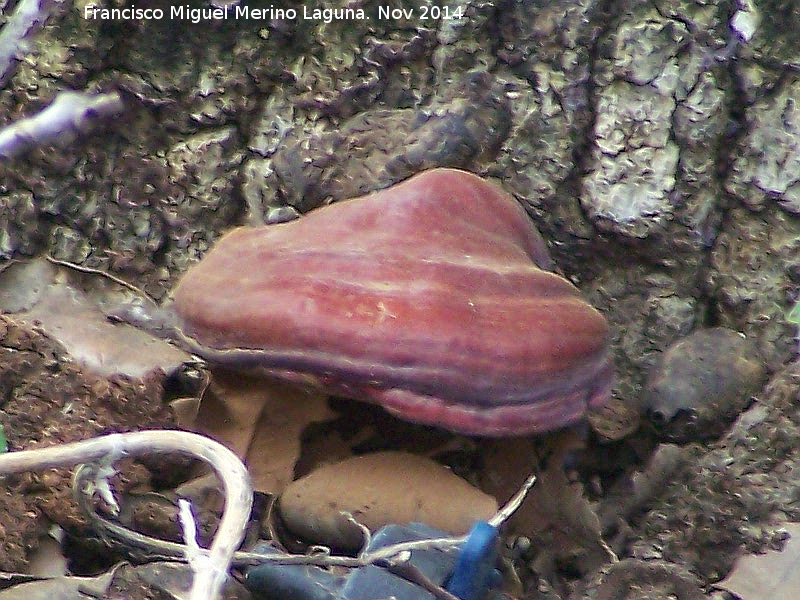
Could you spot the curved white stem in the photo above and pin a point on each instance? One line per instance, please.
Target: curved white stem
(232, 473)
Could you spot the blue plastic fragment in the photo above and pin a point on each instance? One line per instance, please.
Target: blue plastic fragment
(376, 583)
(466, 573)
(474, 570)
(274, 581)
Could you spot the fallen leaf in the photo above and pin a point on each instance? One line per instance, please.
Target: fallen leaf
(37, 294)
(555, 514)
(160, 579)
(60, 588)
(261, 420)
(47, 558)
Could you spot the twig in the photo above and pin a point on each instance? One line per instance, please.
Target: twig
(29, 17)
(69, 115)
(199, 559)
(409, 572)
(101, 273)
(206, 585)
(504, 514)
(162, 548)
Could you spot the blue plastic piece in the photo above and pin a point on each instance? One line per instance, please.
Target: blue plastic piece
(475, 566)
(274, 581)
(466, 573)
(376, 583)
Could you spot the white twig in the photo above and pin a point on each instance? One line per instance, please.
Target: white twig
(321, 557)
(29, 17)
(70, 115)
(231, 472)
(189, 529)
(199, 559)
(83, 269)
(504, 514)
(105, 470)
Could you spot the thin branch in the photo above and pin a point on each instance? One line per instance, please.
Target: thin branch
(162, 548)
(70, 115)
(109, 276)
(206, 585)
(409, 572)
(504, 514)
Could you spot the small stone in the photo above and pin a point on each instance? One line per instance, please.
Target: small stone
(702, 383)
(615, 420)
(379, 489)
(281, 214)
(640, 579)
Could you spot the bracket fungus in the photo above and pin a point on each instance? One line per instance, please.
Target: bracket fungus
(429, 298)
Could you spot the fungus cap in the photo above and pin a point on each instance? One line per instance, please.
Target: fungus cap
(429, 298)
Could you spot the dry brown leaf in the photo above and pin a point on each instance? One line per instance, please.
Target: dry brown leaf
(47, 558)
(555, 513)
(59, 588)
(770, 575)
(35, 293)
(262, 421)
(230, 408)
(185, 411)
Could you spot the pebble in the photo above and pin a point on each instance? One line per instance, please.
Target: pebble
(379, 489)
(702, 383)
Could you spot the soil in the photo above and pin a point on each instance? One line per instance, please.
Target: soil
(49, 400)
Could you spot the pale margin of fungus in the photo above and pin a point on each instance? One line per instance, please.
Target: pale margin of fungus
(70, 114)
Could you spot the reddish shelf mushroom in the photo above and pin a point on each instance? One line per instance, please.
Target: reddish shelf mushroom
(429, 298)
